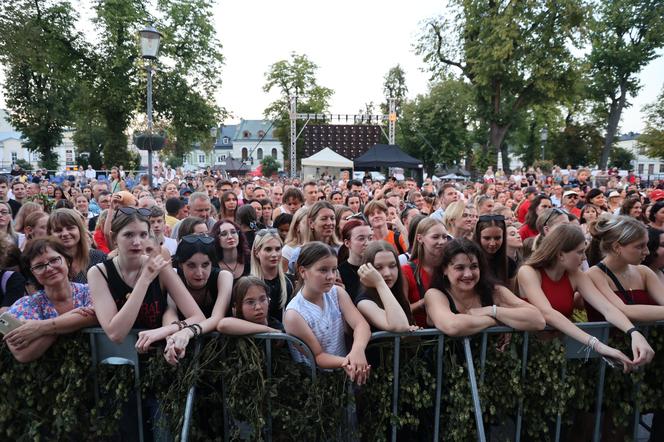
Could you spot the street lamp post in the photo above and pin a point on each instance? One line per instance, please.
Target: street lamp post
(150, 39)
(544, 134)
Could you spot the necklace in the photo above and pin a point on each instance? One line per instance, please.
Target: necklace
(233, 269)
(125, 279)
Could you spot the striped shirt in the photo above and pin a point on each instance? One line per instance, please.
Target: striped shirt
(327, 324)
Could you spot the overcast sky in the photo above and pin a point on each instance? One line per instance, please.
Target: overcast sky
(354, 43)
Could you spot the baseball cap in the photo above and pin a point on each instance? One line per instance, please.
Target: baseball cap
(656, 195)
(185, 191)
(614, 194)
(569, 192)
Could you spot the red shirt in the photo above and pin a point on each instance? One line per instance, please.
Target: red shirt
(521, 212)
(526, 232)
(559, 293)
(414, 291)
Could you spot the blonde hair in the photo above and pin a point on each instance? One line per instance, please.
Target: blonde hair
(452, 213)
(26, 209)
(256, 270)
(299, 221)
(608, 230)
(308, 234)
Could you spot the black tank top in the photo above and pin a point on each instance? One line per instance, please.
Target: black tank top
(207, 303)
(154, 302)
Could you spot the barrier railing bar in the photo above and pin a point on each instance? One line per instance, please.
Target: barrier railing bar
(483, 356)
(395, 385)
(636, 391)
(191, 396)
(268, 356)
(479, 422)
(597, 432)
(439, 385)
(524, 363)
(559, 417)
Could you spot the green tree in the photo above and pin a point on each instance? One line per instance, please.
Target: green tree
(394, 86)
(270, 166)
(621, 158)
(515, 54)
(625, 37)
(653, 136)
(39, 48)
(436, 127)
(295, 77)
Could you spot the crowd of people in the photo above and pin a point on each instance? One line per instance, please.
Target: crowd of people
(196, 253)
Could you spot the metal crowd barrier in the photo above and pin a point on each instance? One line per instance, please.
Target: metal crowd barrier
(125, 354)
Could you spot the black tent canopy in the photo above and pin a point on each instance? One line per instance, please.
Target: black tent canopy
(386, 155)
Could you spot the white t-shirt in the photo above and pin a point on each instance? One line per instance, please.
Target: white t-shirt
(170, 244)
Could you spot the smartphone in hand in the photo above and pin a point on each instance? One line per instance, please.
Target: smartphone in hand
(8, 323)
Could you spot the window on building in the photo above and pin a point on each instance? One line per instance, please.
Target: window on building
(641, 169)
(651, 169)
(14, 157)
(246, 134)
(274, 153)
(201, 158)
(225, 141)
(261, 133)
(259, 154)
(245, 153)
(661, 167)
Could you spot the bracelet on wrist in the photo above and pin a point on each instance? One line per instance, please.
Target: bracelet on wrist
(494, 311)
(631, 330)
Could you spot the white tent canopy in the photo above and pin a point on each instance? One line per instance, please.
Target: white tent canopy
(327, 158)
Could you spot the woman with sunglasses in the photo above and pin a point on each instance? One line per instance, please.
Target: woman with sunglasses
(131, 290)
(546, 221)
(58, 307)
(491, 236)
(549, 280)
(464, 299)
(430, 240)
(266, 265)
(208, 285)
(231, 248)
(355, 235)
(459, 220)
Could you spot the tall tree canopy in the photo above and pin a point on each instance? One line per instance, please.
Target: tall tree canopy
(625, 36)
(295, 77)
(653, 136)
(515, 54)
(40, 51)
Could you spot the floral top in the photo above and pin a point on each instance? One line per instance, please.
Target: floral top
(39, 307)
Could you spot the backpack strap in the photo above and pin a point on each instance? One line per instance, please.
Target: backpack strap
(418, 281)
(397, 237)
(626, 296)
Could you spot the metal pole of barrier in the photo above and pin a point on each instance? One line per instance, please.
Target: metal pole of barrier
(473, 390)
(559, 417)
(191, 395)
(597, 433)
(223, 401)
(483, 356)
(395, 385)
(95, 372)
(637, 389)
(268, 355)
(524, 362)
(439, 387)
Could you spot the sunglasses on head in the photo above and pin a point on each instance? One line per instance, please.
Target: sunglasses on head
(198, 237)
(262, 232)
(358, 215)
(491, 218)
(557, 211)
(132, 210)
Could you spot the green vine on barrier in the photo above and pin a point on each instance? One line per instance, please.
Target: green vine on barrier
(53, 398)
